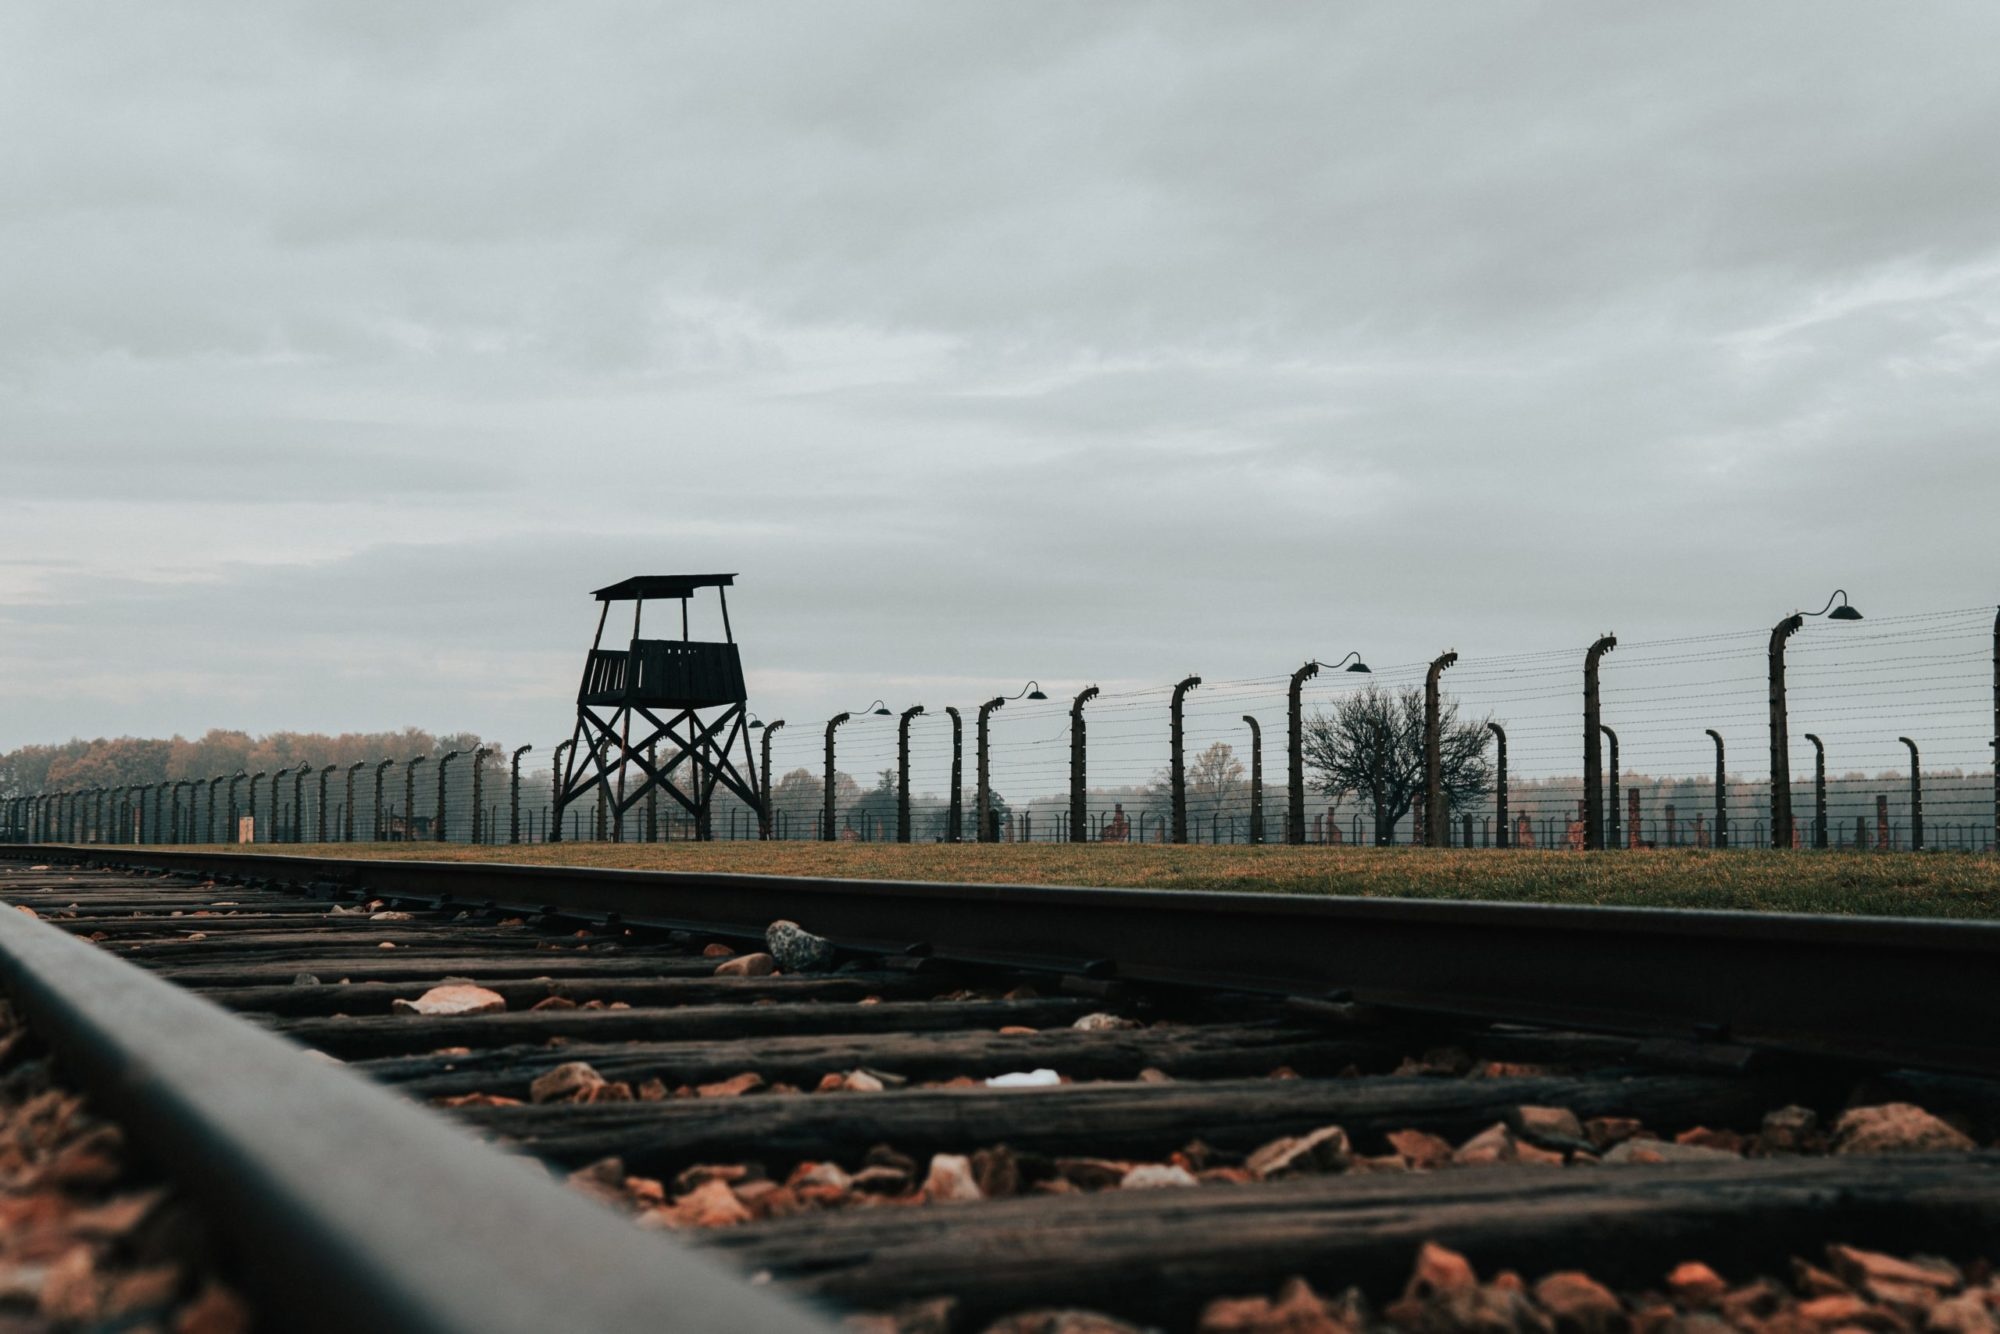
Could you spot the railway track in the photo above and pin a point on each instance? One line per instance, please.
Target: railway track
(1612, 1090)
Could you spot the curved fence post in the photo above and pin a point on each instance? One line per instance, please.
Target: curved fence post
(903, 772)
(559, 783)
(828, 833)
(1614, 836)
(765, 828)
(410, 796)
(1916, 796)
(254, 780)
(1256, 784)
(1819, 838)
(955, 814)
(1437, 819)
(1078, 819)
(444, 765)
(1295, 762)
(1593, 758)
(514, 794)
(1178, 774)
(479, 754)
(1781, 748)
(988, 831)
(1721, 793)
(234, 829)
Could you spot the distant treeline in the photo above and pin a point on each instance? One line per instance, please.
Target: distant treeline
(125, 761)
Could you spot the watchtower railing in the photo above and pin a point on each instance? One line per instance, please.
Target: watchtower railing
(668, 673)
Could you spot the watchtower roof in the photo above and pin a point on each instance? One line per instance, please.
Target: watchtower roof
(643, 586)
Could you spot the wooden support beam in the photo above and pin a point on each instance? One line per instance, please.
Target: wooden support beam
(1099, 1120)
(1122, 1252)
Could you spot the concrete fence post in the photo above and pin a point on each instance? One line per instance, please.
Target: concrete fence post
(1178, 774)
(1256, 780)
(1436, 816)
(1078, 819)
(903, 771)
(1916, 796)
(1593, 759)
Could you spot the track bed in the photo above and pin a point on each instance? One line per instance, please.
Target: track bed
(849, 1134)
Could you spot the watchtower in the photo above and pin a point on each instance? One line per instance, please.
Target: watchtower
(687, 697)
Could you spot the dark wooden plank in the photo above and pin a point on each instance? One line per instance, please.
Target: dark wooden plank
(56, 908)
(163, 934)
(1183, 1051)
(386, 1035)
(247, 927)
(1109, 1120)
(16, 887)
(1158, 1255)
(393, 966)
(374, 998)
(181, 949)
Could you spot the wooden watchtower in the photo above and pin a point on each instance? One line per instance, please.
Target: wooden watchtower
(669, 711)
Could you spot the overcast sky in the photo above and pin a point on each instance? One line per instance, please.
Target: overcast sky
(345, 347)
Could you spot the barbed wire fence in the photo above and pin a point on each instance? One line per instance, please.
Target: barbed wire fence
(1867, 697)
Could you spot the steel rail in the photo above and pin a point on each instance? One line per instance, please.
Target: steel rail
(1884, 990)
(1889, 991)
(346, 1206)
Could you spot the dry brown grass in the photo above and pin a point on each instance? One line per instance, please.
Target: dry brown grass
(1895, 884)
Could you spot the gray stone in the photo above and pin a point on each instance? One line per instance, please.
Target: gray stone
(796, 949)
(1152, 1176)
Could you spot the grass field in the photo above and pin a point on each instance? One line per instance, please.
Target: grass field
(1894, 884)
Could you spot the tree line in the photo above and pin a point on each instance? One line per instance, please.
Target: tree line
(128, 761)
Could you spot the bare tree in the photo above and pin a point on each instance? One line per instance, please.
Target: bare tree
(1215, 782)
(1372, 744)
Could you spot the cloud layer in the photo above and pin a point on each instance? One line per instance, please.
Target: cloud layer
(344, 348)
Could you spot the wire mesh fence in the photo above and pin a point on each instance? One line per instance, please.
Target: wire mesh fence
(1863, 699)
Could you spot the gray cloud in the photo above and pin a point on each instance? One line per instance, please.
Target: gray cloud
(1096, 342)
